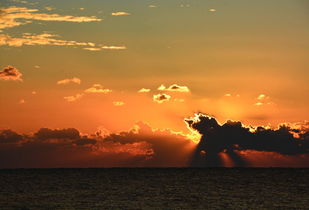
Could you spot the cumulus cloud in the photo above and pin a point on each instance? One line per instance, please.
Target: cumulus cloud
(46, 133)
(97, 88)
(144, 146)
(120, 13)
(174, 88)
(160, 98)
(9, 136)
(138, 147)
(16, 16)
(10, 73)
(68, 81)
(234, 136)
(73, 98)
(144, 90)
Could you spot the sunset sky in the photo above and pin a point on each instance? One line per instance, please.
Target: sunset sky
(109, 64)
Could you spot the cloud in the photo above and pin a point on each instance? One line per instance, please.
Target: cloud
(46, 133)
(212, 10)
(51, 39)
(97, 88)
(92, 49)
(258, 104)
(105, 48)
(141, 146)
(118, 103)
(16, 16)
(152, 6)
(160, 98)
(144, 90)
(174, 88)
(234, 136)
(262, 100)
(262, 97)
(67, 81)
(114, 47)
(10, 73)
(120, 13)
(73, 98)
(40, 39)
(9, 136)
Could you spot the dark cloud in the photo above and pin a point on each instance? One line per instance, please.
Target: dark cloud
(84, 141)
(160, 98)
(10, 73)
(139, 147)
(226, 144)
(233, 136)
(8, 136)
(46, 133)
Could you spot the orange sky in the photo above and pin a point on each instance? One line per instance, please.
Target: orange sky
(107, 65)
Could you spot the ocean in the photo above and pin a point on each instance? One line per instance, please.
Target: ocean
(154, 188)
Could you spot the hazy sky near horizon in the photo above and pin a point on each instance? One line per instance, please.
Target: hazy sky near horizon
(101, 64)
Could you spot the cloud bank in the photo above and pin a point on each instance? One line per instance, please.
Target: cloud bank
(232, 137)
(140, 147)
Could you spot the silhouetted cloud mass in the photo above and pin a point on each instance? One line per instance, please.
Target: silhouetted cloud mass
(228, 144)
(46, 133)
(231, 137)
(139, 147)
(8, 136)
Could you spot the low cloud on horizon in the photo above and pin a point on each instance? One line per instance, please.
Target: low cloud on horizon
(144, 146)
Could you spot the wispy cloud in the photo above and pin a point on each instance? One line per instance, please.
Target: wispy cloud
(160, 98)
(67, 81)
(16, 16)
(120, 13)
(144, 90)
(10, 73)
(114, 47)
(73, 98)
(106, 48)
(92, 48)
(97, 88)
(40, 39)
(174, 88)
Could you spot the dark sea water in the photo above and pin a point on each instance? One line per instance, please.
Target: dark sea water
(150, 188)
